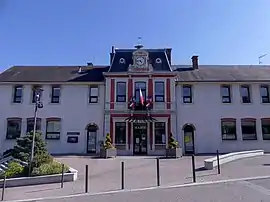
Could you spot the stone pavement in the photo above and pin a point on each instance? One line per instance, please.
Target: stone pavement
(104, 175)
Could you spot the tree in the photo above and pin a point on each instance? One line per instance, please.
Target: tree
(172, 142)
(22, 149)
(108, 142)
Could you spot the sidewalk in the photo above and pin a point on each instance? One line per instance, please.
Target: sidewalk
(105, 175)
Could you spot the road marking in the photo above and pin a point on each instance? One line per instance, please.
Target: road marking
(256, 187)
(144, 189)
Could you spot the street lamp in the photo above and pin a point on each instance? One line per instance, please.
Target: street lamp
(38, 105)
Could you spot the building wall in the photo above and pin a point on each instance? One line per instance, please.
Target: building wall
(74, 110)
(205, 114)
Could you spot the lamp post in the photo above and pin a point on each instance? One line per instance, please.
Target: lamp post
(38, 105)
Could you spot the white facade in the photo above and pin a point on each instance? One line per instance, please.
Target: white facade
(204, 113)
(207, 110)
(74, 110)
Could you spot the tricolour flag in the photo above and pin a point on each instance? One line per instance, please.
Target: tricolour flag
(141, 97)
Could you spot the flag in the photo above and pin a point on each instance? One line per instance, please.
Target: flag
(149, 102)
(141, 97)
(131, 102)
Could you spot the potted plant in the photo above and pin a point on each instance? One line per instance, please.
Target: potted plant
(108, 150)
(173, 149)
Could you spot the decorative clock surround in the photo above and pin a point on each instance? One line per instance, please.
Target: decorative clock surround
(140, 61)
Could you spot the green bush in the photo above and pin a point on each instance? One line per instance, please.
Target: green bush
(14, 170)
(172, 142)
(22, 149)
(108, 142)
(49, 169)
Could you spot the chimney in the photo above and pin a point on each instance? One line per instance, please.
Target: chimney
(80, 70)
(195, 64)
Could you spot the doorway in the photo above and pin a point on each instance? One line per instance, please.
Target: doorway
(91, 138)
(189, 138)
(139, 138)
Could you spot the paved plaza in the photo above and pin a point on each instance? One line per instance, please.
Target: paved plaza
(140, 173)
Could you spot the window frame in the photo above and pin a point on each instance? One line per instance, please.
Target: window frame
(15, 96)
(124, 96)
(35, 90)
(265, 136)
(116, 132)
(224, 97)
(190, 97)
(159, 95)
(93, 96)
(18, 135)
(253, 121)
(137, 90)
(155, 132)
(226, 136)
(267, 96)
(53, 135)
(38, 126)
(53, 96)
(245, 86)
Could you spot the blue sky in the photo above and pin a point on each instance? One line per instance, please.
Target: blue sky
(73, 32)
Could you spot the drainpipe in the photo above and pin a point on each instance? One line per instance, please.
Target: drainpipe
(176, 118)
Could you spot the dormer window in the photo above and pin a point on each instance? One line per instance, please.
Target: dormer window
(122, 61)
(158, 61)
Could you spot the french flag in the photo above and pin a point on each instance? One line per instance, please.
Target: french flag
(141, 97)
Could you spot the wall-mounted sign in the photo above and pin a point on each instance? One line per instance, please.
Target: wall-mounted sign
(72, 139)
(73, 133)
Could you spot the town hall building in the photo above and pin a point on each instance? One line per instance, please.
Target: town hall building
(139, 98)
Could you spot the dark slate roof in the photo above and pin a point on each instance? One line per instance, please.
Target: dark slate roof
(53, 74)
(163, 54)
(220, 73)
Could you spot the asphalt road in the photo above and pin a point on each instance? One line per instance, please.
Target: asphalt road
(244, 191)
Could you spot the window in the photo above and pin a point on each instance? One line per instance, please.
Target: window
(228, 129)
(53, 128)
(13, 128)
(55, 97)
(121, 92)
(36, 90)
(226, 93)
(159, 91)
(187, 93)
(264, 91)
(30, 125)
(265, 128)
(120, 132)
(160, 133)
(138, 86)
(249, 129)
(245, 94)
(93, 94)
(17, 96)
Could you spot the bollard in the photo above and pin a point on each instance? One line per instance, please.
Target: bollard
(158, 174)
(193, 168)
(4, 187)
(86, 178)
(122, 175)
(62, 176)
(218, 165)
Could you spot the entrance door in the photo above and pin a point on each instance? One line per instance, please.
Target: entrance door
(189, 139)
(91, 139)
(140, 138)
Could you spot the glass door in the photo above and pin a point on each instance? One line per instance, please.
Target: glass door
(139, 138)
(91, 142)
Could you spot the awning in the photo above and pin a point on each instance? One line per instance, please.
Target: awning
(140, 119)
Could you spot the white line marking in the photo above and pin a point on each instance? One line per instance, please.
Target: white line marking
(256, 187)
(143, 189)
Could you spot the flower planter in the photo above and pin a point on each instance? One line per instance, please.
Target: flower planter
(174, 152)
(108, 153)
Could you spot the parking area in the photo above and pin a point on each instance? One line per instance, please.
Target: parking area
(105, 174)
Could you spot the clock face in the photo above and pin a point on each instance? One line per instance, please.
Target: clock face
(140, 61)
